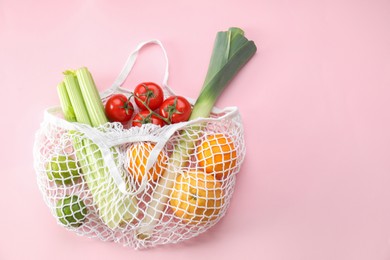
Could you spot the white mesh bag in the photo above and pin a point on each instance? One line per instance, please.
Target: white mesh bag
(139, 186)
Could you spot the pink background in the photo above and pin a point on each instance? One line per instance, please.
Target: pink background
(314, 100)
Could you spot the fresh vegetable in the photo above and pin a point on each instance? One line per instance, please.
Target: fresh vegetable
(63, 170)
(231, 52)
(75, 99)
(114, 208)
(150, 93)
(217, 155)
(71, 211)
(138, 154)
(176, 109)
(147, 117)
(196, 197)
(119, 109)
(66, 106)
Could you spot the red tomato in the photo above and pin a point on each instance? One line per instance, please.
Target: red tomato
(176, 109)
(145, 117)
(119, 109)
(149, 93)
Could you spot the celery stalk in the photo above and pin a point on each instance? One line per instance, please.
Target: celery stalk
(65, 103)
(91, 97)
(231, 52)
(76, 99)
(70, 116)
(114, 208)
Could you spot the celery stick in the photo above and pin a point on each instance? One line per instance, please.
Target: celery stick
(91, 97)
(70, 116)
(114, 207)
(65, 103)
(76, 98)
(123, 210)
(83, 147)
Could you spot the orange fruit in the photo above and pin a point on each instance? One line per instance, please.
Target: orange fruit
(138, 154)
(217, 155)
(196, 197)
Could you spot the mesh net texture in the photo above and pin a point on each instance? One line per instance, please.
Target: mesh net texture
(186, 190)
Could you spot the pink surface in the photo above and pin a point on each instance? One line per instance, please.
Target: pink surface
(314, 100)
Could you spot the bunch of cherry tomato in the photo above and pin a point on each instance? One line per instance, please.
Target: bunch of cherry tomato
(153, 108)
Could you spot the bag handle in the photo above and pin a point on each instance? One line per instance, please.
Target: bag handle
(127, 68)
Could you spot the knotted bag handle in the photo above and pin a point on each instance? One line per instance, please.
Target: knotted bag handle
(105, 144)
(127, 68)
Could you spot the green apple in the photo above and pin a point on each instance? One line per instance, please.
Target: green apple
(71, 211)
(63, 170)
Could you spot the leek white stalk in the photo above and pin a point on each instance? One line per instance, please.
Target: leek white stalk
(231, 52)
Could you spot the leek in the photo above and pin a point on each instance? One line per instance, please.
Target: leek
(231, 52)
(114, 208)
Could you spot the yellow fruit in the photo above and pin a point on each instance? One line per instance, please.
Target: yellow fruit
(217, 155)
(196, 197)
(138, 155)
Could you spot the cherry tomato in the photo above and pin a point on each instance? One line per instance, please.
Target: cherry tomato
(119, 109)
(176, 109)
(149, 93)
(145, 117)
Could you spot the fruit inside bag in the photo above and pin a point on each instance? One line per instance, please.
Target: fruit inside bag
(142, 185)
